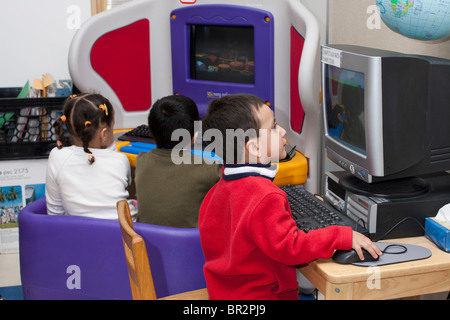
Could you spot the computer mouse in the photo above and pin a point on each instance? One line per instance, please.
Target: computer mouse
(351, 256)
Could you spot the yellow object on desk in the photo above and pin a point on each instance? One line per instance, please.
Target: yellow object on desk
(131, 157)
(294, 171)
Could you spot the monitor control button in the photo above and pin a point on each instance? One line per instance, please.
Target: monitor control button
(352, 169)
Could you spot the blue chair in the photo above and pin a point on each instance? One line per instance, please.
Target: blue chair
(64, 257)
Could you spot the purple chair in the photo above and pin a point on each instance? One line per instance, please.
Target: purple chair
(64, 257)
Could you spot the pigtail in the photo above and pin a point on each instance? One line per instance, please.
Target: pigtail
(91, 157)
(58, 125)
(62, 124)
(61, 130)
(86, 137)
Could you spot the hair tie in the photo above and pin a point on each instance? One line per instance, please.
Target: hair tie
(104, 108)
(63, 118)
(87, 123)
(72, 96)
(91, 158)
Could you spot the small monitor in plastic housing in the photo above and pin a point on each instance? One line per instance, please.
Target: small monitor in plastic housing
(222, 49)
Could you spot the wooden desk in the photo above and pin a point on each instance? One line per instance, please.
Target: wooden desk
(414, 278)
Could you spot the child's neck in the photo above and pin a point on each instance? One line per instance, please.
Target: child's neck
(94, 144)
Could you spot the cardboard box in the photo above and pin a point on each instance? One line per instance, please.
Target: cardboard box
(439, 232)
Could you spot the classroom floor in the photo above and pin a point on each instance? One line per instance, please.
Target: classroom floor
(10, 284)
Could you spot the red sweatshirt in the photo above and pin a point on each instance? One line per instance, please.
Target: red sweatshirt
(250, 241)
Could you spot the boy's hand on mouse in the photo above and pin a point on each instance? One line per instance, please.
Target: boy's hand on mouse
(360, 242)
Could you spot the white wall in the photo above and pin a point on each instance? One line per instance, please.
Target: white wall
(35, 37)
(348, 24)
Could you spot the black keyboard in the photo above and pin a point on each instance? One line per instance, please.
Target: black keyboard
(310, 213)
(138, 134)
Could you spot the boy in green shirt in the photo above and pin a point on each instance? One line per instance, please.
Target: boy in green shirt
(170, 193)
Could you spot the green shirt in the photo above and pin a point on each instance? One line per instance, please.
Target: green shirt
(170, 194)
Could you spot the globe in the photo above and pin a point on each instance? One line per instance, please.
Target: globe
(417, 19)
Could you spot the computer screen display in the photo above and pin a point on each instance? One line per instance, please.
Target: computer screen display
(345, 114)
(222, 53)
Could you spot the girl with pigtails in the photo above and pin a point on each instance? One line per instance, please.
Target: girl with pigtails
(86, 176)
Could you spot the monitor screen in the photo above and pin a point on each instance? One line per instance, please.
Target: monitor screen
(344, 95)
(222, 53)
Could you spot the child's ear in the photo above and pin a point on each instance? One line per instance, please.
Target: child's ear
(252, 149)
(102, 134)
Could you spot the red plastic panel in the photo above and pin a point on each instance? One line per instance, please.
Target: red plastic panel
(122, 58)
(297, 112)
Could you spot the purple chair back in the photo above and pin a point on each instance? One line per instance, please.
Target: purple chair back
(64, 257)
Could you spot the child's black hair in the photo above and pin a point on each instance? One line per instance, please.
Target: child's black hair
(82, 115)
(169, 114)
(234, 111)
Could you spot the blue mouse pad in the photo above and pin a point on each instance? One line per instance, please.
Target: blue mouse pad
(397, 254)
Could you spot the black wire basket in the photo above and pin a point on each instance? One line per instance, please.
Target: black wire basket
(26, 127)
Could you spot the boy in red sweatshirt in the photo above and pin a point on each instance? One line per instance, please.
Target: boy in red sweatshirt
(250, 241)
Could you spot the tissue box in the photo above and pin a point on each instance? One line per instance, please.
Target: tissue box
(439, 231)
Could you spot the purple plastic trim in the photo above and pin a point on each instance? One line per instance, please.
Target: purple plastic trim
(222, 15)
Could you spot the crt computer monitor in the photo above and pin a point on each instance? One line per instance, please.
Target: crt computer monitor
(385, 113)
